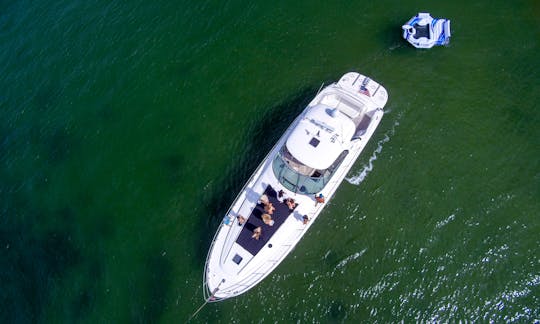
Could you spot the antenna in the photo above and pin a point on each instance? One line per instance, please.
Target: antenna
(206, 301)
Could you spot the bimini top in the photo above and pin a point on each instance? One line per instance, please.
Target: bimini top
(320, 137)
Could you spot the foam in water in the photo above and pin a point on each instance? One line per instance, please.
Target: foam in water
(359, 177)
(350, 258)
(345, 261)
(445, 221)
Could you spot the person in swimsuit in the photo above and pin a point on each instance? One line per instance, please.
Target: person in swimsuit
(267, 219)
(257, 233)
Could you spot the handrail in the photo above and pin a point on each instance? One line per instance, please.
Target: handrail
(249, 182)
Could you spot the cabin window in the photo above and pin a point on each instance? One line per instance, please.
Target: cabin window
(300, 178)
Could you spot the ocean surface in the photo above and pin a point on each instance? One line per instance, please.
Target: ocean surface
(127, 129)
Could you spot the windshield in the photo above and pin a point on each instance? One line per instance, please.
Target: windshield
(299, 178)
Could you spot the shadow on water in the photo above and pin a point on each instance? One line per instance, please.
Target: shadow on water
(336, 312)
(33, 259)
(59, 145)
(39, 247)
(29, 266)
(391, 35)
(263, 134)
(47, 96)
(174, 168)
(152, 299)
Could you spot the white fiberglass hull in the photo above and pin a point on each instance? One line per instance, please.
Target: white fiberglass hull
(236, 262)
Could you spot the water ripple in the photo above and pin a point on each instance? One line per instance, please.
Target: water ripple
(360, 176)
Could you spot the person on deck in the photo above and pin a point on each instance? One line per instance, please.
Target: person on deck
(291, 203)
(257, 233)
(267, 219)
(264, 200)
(269, 208)
(319, 199)
(281, 196)
(241, 220)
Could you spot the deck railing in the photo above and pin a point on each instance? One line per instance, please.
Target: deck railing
(206, 291)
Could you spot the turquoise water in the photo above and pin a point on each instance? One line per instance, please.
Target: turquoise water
(127, 129)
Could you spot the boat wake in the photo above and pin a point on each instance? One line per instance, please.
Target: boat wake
(360, 176)
(348, 259)
(445, 221)
(340, 268)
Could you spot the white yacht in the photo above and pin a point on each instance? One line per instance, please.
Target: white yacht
(290, 188)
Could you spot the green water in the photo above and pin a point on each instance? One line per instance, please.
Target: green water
(128, 127)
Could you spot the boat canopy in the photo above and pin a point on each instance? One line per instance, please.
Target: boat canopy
(320, 137)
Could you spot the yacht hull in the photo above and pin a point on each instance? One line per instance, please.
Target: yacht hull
(237, 261)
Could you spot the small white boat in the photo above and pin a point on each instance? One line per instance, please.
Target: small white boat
(424, 31)
(309, 161)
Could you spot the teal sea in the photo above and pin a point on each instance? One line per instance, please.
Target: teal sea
(128, 127)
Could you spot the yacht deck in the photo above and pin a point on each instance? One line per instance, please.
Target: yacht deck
(281, 213)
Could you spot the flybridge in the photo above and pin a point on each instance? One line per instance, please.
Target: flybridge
(314, 141)
(321, 125)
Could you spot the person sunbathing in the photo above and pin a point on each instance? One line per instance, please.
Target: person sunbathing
(291, 203)
(264, 200)
(267, 219)
(269, 208)
(257, 233)
(241, 220)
